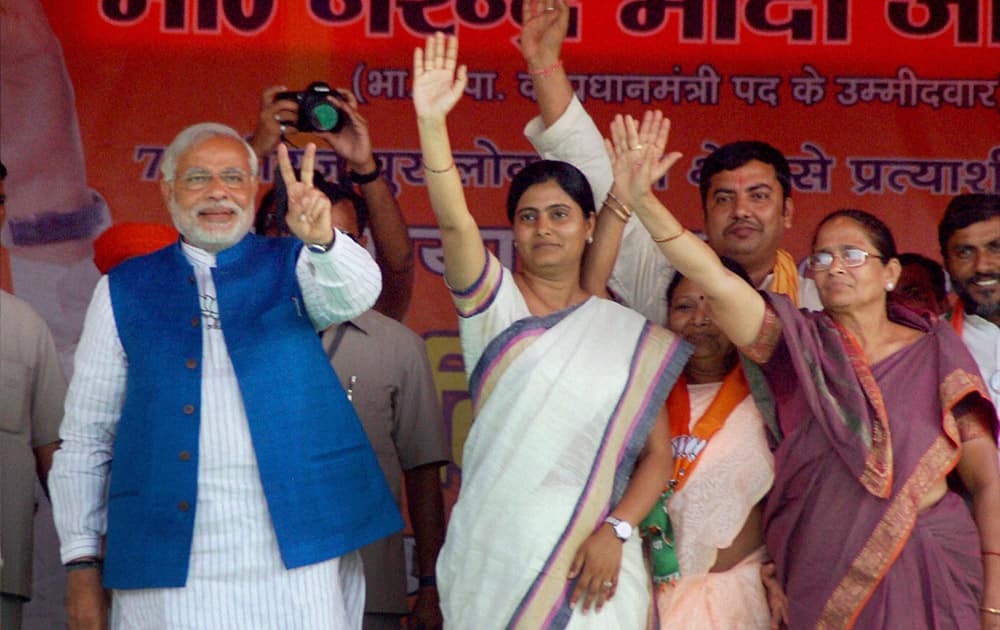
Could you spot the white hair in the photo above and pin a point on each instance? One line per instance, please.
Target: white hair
(192, 136)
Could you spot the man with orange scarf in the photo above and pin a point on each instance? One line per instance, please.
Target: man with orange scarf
(969, 235)
(745, 186)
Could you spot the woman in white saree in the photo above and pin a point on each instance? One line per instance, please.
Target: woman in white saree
(570, 444)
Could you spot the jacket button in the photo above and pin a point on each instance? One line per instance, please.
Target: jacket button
(184, 456)
(194, 322)
(191, 364)
(189, 409)
(183, 506)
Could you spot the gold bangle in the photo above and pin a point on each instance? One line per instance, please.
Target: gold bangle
(992, 611)
(428, 169)
(612, 196)
(669, 238)
(618, 213)
(624, 212)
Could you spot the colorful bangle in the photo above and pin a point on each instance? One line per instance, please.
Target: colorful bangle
(428, 169)
(672, 237)
(547, 70)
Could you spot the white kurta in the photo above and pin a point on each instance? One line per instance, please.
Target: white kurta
(236, 577)
(982, 338)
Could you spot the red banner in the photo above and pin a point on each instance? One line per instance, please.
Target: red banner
(888, 106)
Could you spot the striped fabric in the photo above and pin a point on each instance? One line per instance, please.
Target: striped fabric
(563, 405)
(236, 577)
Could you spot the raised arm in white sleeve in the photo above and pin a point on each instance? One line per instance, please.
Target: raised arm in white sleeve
(340, 284)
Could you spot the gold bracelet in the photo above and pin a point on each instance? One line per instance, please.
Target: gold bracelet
(428, 169)
(670, 238)
(612, 196)
(624, 212)
(992, 611)
(618, 213)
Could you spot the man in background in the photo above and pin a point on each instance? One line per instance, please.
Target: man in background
(32, 389)
(969, 236)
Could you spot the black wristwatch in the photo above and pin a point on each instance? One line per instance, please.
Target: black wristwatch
(366, 178)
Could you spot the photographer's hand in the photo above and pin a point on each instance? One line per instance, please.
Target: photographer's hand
(352, 142)
(269, 130)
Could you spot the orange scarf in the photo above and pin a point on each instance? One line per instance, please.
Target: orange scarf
(786, 277)
(734, 389)
(956, 317)
(656, 527)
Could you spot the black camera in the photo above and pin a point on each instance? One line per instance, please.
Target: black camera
(316, 112)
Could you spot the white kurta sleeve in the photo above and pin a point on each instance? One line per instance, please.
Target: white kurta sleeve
(339, 284)
(80, 470)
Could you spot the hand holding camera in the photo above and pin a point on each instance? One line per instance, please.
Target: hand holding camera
(331, 114)
(317, 109)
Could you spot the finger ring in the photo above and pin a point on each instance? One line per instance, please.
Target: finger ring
(607, 584)
(302, 217)
(550, 8)
(637, 147)
(277, 118)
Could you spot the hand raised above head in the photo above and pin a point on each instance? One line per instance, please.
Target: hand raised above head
(637, 153)
(437, 83)
(546, 23)
(308, 208)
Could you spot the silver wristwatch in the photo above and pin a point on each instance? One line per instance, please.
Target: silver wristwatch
(321, 248)
(623, 529)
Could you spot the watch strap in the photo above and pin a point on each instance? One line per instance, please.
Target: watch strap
(322, 248)
(367, 178)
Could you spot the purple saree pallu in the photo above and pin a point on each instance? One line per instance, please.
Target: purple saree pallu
(858, 447)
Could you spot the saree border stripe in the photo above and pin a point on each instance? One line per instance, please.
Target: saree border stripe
(656, 363)
(478, 297)
(877, 476)
(505, 348)
(893, 531)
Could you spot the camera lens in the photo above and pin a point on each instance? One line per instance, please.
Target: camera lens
(325, 117)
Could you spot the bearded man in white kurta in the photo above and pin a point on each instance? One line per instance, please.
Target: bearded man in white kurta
(206, 436)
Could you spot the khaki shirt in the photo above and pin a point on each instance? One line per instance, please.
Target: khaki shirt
(32, 391)
(384, 367)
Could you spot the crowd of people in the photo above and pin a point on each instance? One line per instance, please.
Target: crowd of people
(670, 430)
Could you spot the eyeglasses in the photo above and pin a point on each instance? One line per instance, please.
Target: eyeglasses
(199, 179)
(849, 257)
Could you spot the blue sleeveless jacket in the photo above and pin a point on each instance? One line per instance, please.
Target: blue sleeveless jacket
(325, 491)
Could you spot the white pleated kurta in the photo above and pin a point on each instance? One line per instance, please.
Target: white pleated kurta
(236, 577)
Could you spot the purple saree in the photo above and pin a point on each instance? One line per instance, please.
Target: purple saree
(858, 445)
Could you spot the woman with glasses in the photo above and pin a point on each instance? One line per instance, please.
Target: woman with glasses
(878, 417)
